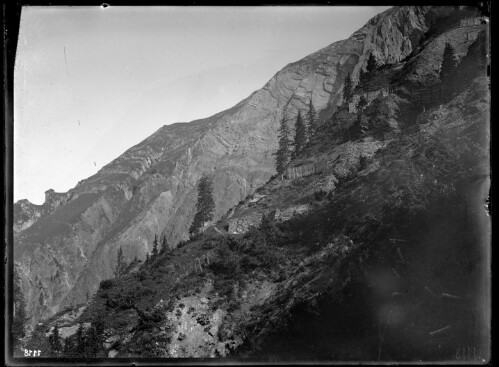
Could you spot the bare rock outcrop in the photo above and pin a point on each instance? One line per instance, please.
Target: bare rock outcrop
(25, 214)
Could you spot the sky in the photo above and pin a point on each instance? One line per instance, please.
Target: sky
(91, 82)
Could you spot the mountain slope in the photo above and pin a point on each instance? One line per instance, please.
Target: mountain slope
(373, 245)
(398, 245)
(150, 189)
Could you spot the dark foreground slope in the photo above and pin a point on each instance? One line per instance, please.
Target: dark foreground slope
(384, 255)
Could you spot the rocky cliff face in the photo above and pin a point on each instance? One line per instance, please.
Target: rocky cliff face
(150, 189)
(27, 213)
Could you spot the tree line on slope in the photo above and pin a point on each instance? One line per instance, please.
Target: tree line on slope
(380, 120)
(85, 343)
(290, 148)
(122, 267)
(382, 116)
(205, 205)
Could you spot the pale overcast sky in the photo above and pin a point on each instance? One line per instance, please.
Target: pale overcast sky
(92, 82)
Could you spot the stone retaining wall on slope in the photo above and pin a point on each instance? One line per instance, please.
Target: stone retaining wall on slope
(243, 224)
(288, 213)
(428, 96)
(305, 170)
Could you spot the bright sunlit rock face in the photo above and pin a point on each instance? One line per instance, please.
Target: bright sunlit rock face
(90, 82)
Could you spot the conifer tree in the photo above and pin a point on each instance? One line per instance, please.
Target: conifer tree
(348, 88)
(92, 343)
(38, 341)
(164, 246)
(362, 78)
(269, 229)
(207, 202)
(68, 349)
(300, 135)
(20, 319)
(120, 264)
(205, 205)
(372, 63)
(311, 119)
(371, 66)
(155, 247)
(196, 224)
(55, 341)
(283, 152)
(98, 323)
(448, 62)
(71, 349)
(80, 338)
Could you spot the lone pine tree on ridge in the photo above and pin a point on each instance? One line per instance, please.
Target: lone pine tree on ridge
(205, 205)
